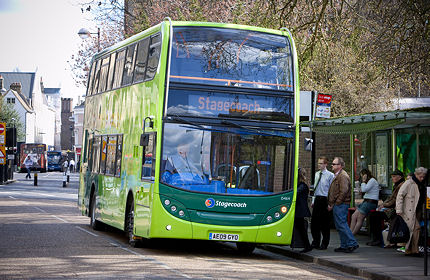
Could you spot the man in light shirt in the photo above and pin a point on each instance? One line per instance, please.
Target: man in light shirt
(320, 224)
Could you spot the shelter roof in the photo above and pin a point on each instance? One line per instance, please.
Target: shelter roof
(363, 123)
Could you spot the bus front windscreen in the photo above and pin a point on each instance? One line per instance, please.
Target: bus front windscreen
(54, 158)
(226, 160)
(231, 57)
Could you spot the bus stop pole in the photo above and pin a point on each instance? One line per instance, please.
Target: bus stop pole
(1, 174)
(426, 206)
(312, 134)
(64, 180)
(313, 150)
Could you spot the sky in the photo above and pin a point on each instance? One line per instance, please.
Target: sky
(41, 35)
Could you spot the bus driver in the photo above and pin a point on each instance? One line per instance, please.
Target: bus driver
(179, 168)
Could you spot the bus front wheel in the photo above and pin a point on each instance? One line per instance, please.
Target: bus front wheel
(130, 225)
(96, 225)
(245, 247)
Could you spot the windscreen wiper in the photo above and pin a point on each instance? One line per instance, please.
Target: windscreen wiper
(253, 130)
(178, 118)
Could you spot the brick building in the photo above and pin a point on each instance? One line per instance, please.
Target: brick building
(328, 145)
(67, 125)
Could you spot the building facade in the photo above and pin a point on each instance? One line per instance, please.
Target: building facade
(27, 93)
(78, 118)
(53, 97)
(67, 125)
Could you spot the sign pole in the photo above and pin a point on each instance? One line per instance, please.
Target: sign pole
(427, 206)
(3, 156)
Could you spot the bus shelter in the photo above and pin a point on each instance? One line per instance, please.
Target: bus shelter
(383, 142)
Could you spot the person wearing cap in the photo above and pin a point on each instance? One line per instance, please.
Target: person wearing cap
(386, 211)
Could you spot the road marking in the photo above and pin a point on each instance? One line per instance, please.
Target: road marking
(150, 259)
(87, 231)
(64, 221)
(12, 197)
(41, 210)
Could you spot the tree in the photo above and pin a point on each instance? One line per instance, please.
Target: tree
(7, 114)
(111, 32)
(365, 53)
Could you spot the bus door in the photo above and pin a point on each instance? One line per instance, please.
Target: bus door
(93, 164)
(143, 211)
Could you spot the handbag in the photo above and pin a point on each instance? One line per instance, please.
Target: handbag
(399, 231)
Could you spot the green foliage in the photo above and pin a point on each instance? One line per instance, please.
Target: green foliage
(7, 114)
(364, 53)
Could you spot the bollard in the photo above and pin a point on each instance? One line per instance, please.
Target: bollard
(35, 178)
(68, 176)
(64, 180)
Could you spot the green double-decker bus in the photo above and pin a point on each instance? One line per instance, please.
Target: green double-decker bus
(191, 132)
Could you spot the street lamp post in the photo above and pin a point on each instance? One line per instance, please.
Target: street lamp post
(85, 34)
(14, 143)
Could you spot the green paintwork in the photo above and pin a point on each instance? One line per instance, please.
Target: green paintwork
(251, 210)
(122, 111)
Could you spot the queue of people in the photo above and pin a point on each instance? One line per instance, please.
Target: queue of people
(332, 192)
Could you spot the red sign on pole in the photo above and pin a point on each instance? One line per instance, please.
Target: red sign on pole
(2, 155)
(324, 98)
(2, 133)
(323, 106)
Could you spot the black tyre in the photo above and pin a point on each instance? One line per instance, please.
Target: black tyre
(96, 225)
(245, 247)
(129, 225)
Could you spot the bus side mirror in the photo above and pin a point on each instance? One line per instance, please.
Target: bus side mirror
(144, 139)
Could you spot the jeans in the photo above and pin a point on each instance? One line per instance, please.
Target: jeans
(340, 213)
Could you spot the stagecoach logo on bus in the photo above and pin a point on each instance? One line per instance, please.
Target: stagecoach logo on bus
(210, 202)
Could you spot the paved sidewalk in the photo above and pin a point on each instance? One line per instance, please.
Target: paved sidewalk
(367, 261)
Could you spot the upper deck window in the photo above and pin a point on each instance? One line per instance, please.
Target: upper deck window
(231, 57)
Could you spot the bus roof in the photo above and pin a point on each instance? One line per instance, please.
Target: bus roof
(158, 27)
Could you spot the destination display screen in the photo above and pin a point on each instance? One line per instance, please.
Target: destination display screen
(182, 102)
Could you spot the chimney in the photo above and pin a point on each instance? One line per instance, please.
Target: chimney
(2, 89)
(41, 85)
(16, 87)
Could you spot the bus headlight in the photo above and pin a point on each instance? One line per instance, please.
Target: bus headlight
(277, 215)
(269, 219)
(284, 209)
(174, 207)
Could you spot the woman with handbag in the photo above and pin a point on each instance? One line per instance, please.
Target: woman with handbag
(407, 207)
(386, 211)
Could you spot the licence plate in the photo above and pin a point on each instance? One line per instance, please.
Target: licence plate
(223, 236)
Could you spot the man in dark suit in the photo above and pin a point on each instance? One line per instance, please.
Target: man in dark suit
(339, 198)
(320, 224)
